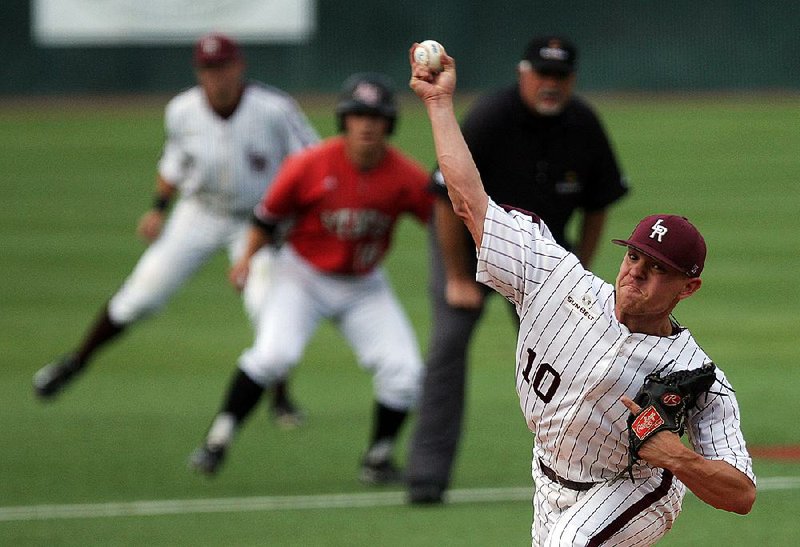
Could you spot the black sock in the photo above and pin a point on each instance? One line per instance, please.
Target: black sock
(280, 394)
(103, 331)
(387, 423)
(243, 395)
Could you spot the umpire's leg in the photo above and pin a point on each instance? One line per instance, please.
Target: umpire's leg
(441, 405)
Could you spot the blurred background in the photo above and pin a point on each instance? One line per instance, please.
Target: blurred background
(143, 46)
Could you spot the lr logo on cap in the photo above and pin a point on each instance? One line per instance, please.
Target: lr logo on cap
(210, 46)
(658, 230)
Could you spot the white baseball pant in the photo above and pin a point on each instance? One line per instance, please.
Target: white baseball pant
(365, 310)
(190, 237)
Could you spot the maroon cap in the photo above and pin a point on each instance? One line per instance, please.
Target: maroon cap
(669, 239)
(214, 50)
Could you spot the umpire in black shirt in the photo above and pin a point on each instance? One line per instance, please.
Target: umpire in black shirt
(537, 147)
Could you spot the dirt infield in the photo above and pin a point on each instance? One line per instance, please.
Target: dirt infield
(789, 453)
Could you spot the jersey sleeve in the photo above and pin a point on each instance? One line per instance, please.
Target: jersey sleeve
(298, 131)
(419, 195)
(715, 429)
(517, 253)
(481, 126)
(172, 164)
(280, 200)
(608, 184)
(436, 184)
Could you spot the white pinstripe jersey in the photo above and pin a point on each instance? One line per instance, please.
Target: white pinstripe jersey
(575, 359)
(227, 164)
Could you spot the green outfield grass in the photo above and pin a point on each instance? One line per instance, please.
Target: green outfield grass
(74, 182)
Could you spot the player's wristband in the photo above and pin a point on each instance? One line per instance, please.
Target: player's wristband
(267, 227)
(160, 203)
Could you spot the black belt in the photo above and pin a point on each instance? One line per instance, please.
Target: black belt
(572, 485)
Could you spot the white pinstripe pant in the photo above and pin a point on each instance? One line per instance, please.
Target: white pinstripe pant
(619, 512)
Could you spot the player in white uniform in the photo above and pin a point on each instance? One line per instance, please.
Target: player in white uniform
(584, 349)
(226, 139)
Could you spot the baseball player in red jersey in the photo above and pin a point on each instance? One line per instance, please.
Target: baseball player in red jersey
(226, 138)
(342, 198)
(584, 349)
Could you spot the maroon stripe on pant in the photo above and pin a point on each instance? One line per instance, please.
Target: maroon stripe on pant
(626, 516)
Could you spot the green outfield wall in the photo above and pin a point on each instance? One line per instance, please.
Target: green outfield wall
(643, 45)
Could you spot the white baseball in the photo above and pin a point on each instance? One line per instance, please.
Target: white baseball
(429, 53)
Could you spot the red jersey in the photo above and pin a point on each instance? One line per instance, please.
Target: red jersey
(343, 218)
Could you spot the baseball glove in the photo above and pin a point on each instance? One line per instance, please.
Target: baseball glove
(665, 402)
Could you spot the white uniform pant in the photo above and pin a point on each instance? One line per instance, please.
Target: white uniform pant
(191, 236)
(365, 310)
(618, 512)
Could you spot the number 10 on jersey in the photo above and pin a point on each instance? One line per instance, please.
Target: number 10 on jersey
(545, 374)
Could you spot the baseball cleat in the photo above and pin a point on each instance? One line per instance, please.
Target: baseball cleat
(207, 459)
(425, 494)
(52, 378)
(382, 473)
(287, 416)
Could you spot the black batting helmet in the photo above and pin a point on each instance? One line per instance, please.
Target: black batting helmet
(367, 93)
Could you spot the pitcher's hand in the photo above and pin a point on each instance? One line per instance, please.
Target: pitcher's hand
(430, 85)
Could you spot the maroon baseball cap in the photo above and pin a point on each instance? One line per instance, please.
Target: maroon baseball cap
(670, 239)
(214, 50)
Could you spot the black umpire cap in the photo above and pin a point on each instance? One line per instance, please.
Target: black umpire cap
(551, 54)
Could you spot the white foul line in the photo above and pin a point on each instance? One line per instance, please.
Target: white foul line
(285, 503)
(259, 503)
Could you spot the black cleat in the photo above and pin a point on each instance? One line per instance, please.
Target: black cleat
(381, 473)
(286, 415)
(207, 459)
(53, 377)
(425, 494)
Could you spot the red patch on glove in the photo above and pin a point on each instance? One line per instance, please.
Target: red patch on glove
(646, 422)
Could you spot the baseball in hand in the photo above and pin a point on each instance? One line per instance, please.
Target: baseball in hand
(429, 53)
